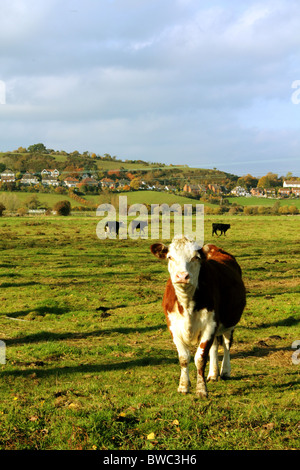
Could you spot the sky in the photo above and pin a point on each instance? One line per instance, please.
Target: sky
(206, 83)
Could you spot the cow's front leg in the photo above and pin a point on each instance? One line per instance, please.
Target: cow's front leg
(201, 356)
(184, 359)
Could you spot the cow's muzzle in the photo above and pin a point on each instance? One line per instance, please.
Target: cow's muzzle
(182, 277)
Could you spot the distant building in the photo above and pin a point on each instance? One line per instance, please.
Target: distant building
(29, 179)
(240, 191)
(107, 183)
(8, 176)
(89, 182)
(270, 192)
(284, 192)
(296, 191)
(123, 182)
(291, 184)
(50, 181)
(259, 192)
(191, 188)
(71, 182)
(215, 188)
(54, 173)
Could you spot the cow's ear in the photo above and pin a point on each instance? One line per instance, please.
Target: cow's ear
(159, 250)
(203, 253)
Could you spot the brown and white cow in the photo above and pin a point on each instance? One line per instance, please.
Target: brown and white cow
(203, 301)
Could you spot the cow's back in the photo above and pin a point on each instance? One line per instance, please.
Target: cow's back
(220, 286)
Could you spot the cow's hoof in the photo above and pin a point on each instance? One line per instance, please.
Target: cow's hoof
(212, 378)
(184, 387)
(202, 394)
(183, 390)
(225, 376)
(201, 391)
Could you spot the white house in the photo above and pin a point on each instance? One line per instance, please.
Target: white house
(50, 181)
(29, 178)
(291, 184)
(8, 176)
(71, 182)
(239, 191)
(54, 173)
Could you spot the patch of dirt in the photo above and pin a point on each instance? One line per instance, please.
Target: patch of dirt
(280, 358)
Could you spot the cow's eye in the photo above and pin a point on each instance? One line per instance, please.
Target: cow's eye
(170, 258)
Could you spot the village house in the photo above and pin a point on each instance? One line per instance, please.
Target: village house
(8, 176)
(259, 192)
(107, 183)
(89, 182)
(285, 192)
(123, 182)
(291, 184)
(296, 191)
(191, 188)
(71, 182)
(169, 187)
(215, 188)
(54, 173)
(240, 191)
(29, 179)
(50, 181)
(270, 192)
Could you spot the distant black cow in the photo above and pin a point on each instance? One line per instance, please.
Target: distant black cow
(221, 227)
(113, 227)
(139, 225)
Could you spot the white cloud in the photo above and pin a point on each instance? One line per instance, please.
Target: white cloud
(151, 79)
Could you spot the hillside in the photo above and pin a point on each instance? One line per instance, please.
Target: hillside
(36, 158)
(87, 179)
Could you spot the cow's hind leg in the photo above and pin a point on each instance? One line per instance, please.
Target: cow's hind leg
(227, 342)
(213, 373)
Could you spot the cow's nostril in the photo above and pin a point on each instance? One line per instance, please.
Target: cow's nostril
(183, 276)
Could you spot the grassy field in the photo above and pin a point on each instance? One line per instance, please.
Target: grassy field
(262, 201)
(45, 198)
(149, 197)
(142, 197)
(133, 197)
(80, 377)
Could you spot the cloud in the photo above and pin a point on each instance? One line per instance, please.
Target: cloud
(167, 80)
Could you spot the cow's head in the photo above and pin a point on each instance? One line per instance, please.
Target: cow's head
(184, 257)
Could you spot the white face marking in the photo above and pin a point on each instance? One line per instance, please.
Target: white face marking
(184, 262)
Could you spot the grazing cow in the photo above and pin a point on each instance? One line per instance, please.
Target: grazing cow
(203, 301)
(135, 224)
(221, 227)
(113, 227)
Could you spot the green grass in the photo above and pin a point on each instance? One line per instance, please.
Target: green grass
(145, 197)
(76, 378)
(149, 197)
(262, 201)
(49, 198)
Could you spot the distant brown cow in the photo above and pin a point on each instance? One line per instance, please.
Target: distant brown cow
(203, 301)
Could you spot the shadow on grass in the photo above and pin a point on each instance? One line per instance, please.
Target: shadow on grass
(289, 321)
(50, 336)
(18, 284)
(42, 310)
(90, 368)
